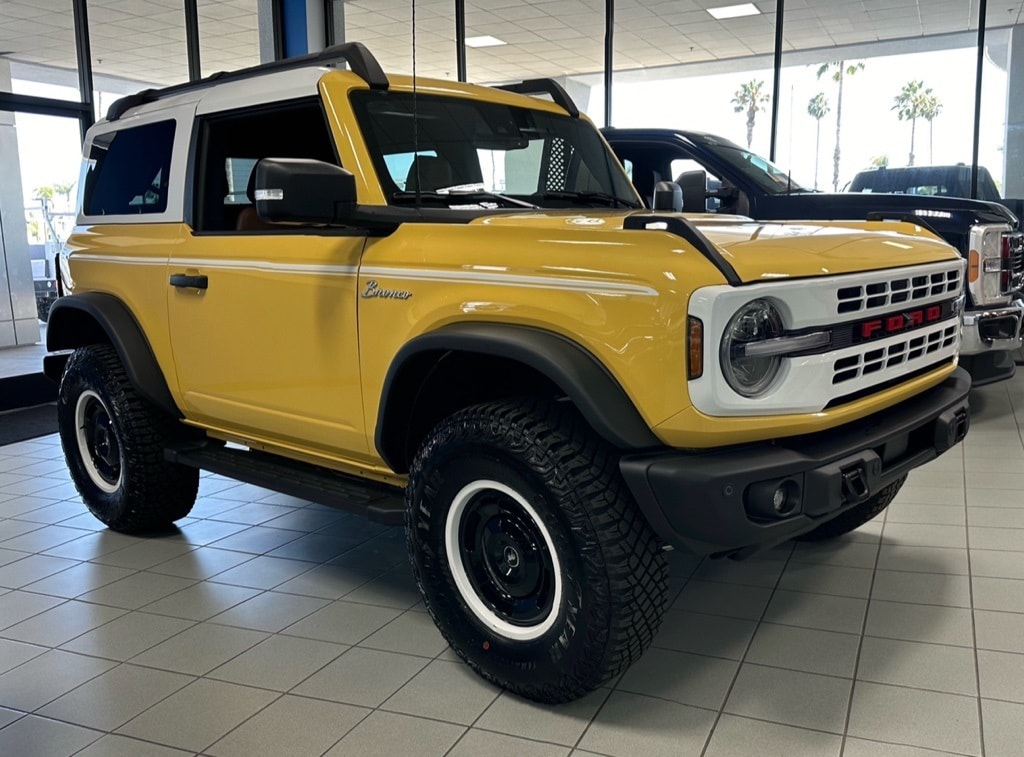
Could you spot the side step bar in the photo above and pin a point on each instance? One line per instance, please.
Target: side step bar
(378, 502)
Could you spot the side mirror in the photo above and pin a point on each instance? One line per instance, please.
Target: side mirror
(668, 196)
(298, 190)
(695, 191)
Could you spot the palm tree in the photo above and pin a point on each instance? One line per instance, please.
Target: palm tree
(65, 189)
(930, 109)
(840, 70)
(909, 105)
(817, 108)
(751, 98)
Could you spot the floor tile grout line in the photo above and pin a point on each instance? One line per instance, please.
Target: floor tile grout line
(612, 689)
(863, 632)
(746, 651)
(914, 746)
(970, 587)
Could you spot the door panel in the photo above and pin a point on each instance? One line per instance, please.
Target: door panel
(269, 349)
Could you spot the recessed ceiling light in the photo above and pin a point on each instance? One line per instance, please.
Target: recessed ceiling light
(734, 11)
(485, 41)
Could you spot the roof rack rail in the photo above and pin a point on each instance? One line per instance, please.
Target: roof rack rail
(358, 57)
(545, 87)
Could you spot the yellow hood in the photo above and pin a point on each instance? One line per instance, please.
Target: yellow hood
(763, 251)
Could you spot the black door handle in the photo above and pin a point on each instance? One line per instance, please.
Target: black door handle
(189, 282)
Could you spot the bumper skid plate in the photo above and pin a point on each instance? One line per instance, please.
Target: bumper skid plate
(742, 499)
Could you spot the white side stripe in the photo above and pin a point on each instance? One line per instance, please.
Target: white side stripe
(592, 286)
(509, 279)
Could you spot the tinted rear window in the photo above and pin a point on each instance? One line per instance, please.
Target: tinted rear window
(128, 171)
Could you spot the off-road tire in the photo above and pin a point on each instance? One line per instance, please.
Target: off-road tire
(114, 441)
(559, 483)
(856, 516)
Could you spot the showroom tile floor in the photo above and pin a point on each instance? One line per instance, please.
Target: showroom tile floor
(270, 626)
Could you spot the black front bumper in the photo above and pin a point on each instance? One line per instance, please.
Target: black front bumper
(722, 501)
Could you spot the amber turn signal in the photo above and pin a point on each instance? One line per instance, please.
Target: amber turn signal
(695, 347)
(973, 266)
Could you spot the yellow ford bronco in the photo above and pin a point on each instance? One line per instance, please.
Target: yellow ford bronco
(443, 305)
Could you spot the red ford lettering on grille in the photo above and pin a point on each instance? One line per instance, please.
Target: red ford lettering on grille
(894, 324)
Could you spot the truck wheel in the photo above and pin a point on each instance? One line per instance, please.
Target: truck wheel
(43, 308)
(529, 551)
(856, 516)
(114, 444)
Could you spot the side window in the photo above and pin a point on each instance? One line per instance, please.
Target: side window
(682, 165)
(127, 171)
(230, 145)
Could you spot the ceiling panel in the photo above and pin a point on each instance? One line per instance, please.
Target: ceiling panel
(144, 39)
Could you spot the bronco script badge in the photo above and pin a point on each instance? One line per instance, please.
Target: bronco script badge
(372, 290)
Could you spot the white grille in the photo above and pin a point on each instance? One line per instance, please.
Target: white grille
(915, 349)
(812, 382)
(892, 293)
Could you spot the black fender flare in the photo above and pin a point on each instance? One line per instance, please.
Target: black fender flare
(575, 370)
(78, 320)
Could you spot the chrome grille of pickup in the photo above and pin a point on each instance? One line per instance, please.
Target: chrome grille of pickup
(1016, 240)
(910, 350)
(896, 291)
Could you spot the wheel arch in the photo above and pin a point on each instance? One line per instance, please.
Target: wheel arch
(422, 384)
(96, 318)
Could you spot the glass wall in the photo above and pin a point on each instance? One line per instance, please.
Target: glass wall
(1001, 146)
(49, 151)
(870, 102)
(863, 86)
(677, 66)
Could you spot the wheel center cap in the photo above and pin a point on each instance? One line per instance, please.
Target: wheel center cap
(102, 442)
(511, 556)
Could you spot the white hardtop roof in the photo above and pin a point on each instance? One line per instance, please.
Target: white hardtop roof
(273, 86)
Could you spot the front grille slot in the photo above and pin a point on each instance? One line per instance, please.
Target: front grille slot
(907, 350)
(896, 291)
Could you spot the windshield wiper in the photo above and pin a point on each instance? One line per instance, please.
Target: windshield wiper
(455, 198)
(602, 198)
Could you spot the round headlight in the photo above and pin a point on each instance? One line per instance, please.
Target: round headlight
(751, 375)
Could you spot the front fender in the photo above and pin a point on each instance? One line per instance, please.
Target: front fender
(570, 367)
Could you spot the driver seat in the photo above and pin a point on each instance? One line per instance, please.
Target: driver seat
(428, 174)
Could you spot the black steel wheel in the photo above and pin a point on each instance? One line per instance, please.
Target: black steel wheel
(530, 553)
(114, 445)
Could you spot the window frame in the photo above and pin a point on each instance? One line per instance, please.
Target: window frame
(199, 159)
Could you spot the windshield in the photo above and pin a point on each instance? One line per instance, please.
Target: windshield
(475, 153)
(760, 171)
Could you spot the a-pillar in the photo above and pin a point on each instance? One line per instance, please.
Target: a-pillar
(18, 322)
